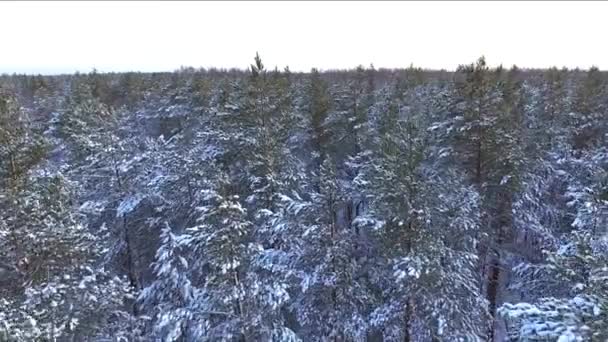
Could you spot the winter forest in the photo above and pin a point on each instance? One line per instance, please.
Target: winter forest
(359, 205)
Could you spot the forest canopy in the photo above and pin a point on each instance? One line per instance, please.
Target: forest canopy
(270, 205)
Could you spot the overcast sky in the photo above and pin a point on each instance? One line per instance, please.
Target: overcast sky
(47, 37)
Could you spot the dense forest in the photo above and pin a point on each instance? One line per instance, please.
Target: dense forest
(339, 206)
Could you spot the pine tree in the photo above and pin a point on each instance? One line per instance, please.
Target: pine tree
(588, 120)
(169, 296)
(333, 300)
(579, 267)
(319, 106)
(489, 146)
(21, 147)
(84, 123)
(554, 102)
(410, 207)
(232, 297)
(64, 296)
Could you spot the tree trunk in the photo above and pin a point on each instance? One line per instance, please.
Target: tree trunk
(504, 222)
(132, 276)
(492, 293)
(407, 321)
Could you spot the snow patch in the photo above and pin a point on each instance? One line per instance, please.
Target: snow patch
(128, 205)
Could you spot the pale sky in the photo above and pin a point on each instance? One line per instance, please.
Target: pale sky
(57, 37)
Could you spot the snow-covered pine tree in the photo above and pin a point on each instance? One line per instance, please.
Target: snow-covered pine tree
(587, 121)
(487, 140)
(553, 107)
(318, 102)
(85, 120)
(333, 300)
(581, 312)
(169, 296)
(21, 147)
(263, 124)
(567, 298)
(425, 230)
(64, 294)
(231, 303)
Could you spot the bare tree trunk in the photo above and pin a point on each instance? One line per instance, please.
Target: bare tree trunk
(407, 321)
(492, 293)
(349, 214)
(504, 222)
(131, 272)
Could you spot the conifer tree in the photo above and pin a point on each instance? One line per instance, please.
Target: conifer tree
(488, 143)
(21, 147)
(319, 106)
(332, 303)
(580, 270)
(169, 296)
(588, 121)
(409, 220)
(64, 296)
(233, 298)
